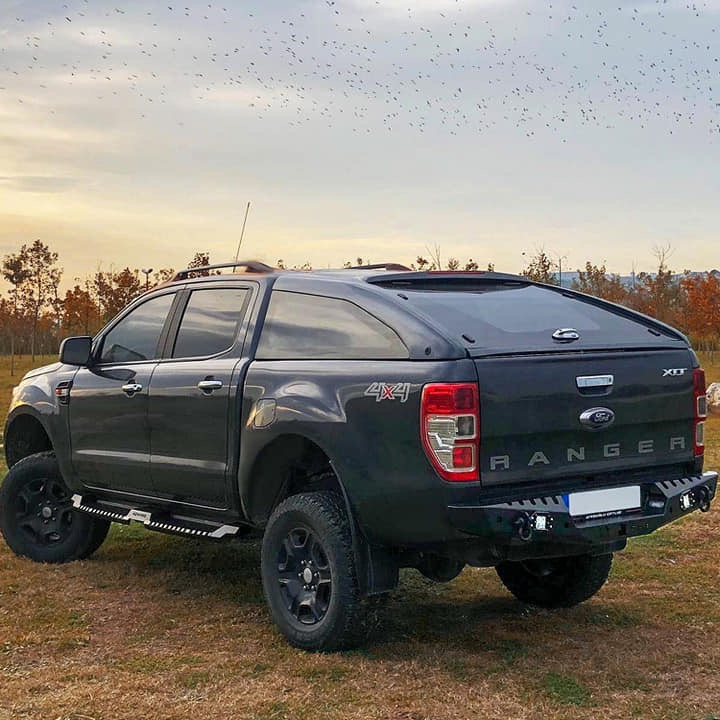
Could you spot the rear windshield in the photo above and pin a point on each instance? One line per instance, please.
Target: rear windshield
(511, 318)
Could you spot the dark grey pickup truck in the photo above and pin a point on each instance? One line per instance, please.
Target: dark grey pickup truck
(364, 420)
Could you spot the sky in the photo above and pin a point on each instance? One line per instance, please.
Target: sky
(135, 132)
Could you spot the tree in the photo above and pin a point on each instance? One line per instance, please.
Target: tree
(702, 309)
(42, 282)
(594, 280)
(16, 273)
(659, 294)
(114, 290)
(540, 268)
(162, 275)
(200, 259)
(35, 277)
(81, 315)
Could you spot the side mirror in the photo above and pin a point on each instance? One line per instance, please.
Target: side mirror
(76, 350)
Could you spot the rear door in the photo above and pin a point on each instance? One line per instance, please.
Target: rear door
(109, 434)
(193, 405)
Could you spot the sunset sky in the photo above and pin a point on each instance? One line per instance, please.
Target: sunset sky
(135, 132)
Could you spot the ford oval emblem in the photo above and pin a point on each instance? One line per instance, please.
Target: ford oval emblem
(597, 418)
(566, 335)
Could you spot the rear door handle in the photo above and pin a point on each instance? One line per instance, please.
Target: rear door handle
(207, 386)
(131, 388)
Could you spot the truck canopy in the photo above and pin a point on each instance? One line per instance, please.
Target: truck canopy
(496, 314)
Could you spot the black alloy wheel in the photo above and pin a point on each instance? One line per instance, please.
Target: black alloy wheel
(309, 576)
(304, 576)
(37, 517)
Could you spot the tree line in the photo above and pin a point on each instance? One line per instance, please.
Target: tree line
(35, 315)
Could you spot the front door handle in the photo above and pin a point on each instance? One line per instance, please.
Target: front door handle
(207, 386)
(131, 388)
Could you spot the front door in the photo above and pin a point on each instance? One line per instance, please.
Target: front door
(109, 401)
(191, 413)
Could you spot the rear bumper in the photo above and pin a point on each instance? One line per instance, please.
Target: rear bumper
(523, 527)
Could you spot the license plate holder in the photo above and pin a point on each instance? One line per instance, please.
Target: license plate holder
(607, 502)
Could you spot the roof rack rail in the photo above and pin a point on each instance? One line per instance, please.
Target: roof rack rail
(254, 266)
(380, 266)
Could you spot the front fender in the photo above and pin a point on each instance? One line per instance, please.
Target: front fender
(35, 398)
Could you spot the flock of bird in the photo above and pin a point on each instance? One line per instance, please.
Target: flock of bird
(376, 64)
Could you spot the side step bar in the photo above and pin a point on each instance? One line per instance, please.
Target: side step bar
(192, 527)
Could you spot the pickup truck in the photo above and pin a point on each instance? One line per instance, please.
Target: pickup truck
(364, 420)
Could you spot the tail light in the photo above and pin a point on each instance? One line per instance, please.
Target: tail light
(700, 411)
(450, 426)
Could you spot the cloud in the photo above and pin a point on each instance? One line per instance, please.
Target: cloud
(38, 183)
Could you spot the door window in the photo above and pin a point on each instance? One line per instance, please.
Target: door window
(210, 322)
(135, 337)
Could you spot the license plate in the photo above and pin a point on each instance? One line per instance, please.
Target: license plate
(611, 501)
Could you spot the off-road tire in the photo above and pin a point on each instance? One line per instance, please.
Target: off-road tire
(37, 518)
(440, 569)
(558, 582)
(340, 618)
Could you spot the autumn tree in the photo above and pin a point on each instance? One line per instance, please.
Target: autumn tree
(35, 277)
(112, 291)
(540, 269)
(15, 272)
(595, 280)
(659, 294)
(162, 275)
(81, 315)
(701, 318)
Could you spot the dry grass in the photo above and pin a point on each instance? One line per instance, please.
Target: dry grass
(154, 626)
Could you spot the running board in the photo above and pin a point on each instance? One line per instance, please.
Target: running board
(189, 527)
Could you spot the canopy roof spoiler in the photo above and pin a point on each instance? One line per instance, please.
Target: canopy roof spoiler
(397, 267)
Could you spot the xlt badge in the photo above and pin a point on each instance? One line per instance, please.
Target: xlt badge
(673, 372)
(597, 418)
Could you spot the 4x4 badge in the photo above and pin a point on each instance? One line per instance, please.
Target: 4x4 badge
(388, 391)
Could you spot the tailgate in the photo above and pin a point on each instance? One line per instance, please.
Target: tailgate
(535, 423)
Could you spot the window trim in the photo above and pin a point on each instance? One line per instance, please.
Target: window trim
(179, 312)
(99, 342)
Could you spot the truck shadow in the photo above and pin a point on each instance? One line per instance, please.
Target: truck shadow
(473, 612)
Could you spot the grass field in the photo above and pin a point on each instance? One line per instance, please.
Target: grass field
(154, 626)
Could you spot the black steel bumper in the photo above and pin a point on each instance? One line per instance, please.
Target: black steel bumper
(525, 527)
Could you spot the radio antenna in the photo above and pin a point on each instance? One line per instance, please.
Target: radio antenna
(242, 232)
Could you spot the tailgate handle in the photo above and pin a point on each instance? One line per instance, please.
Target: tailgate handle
(594, 381)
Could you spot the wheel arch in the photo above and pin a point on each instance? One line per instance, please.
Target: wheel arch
(289, 464)
(25, 434)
